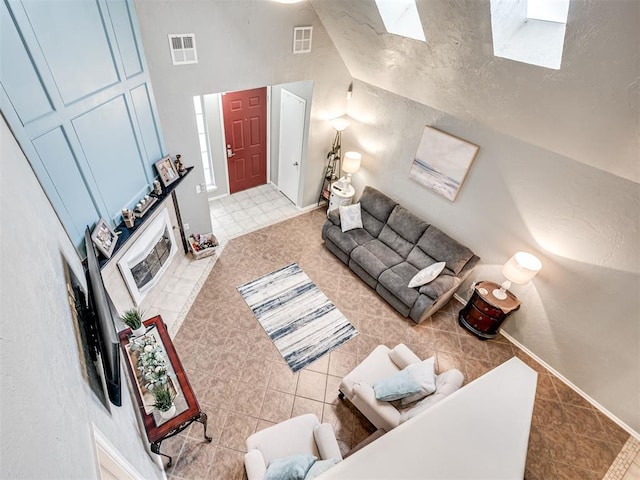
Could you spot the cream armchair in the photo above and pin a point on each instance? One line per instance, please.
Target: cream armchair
(302, 434)
(383, 362)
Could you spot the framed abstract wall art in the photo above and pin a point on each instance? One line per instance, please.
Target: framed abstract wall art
(442, 162)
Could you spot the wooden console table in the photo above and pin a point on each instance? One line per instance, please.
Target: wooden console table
(188, 409)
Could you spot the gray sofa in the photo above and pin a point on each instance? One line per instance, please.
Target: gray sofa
(392, 247)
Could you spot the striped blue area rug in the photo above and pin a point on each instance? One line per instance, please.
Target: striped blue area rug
(300, 320)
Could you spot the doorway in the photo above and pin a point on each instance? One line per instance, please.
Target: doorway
(245, 127)
(292, 127)
(216, 160)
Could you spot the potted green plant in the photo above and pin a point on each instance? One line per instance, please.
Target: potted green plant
(132, 318)
(163, 402)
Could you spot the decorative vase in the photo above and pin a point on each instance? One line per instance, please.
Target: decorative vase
(141, 330)
(169, 413)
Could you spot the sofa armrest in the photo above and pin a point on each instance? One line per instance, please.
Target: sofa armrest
(326, 441)
(449, 381)
(440, 286)
(402, 356)
(255, 465)
(334, 216)
(382, 414)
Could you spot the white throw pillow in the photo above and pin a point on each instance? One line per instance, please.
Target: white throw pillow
(425, 275)
(423, 374)
(350, 217)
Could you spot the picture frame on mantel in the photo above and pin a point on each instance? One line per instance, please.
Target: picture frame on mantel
(167, 171)
(104, 238)
(442, 162)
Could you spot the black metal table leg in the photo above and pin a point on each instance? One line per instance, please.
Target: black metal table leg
(155, 448)
(202, 418)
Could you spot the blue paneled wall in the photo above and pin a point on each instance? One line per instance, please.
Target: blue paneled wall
(75, 90)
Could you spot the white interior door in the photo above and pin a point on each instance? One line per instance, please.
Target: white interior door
(292, 115)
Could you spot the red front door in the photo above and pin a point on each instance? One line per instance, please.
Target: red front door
(245, 127)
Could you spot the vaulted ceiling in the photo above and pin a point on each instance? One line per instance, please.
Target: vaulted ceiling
(587, 111)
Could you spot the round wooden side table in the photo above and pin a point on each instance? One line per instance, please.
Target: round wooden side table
(484, 314)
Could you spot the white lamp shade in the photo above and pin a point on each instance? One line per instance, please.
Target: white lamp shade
(351, 162)
(521, 268)
(340, 123)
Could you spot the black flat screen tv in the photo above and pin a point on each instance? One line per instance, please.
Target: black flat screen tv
(102, 311)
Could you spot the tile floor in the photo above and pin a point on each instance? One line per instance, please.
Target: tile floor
(172, 293)
(243, 384)
(231, 216)
(249, 210)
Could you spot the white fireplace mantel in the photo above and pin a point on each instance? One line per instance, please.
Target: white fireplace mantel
(158, 228)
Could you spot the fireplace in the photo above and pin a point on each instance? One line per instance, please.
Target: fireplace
(148, 258)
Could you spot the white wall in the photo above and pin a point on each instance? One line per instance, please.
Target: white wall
(581, 313)
(241, 45)
(587, 110)
(47, 406)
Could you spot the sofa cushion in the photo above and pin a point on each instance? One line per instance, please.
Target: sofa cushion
(370, 223)
(421, 260)
(347, 241)
(440, 285)
(375, 257)
(402, 231)
(396, 280)
(377, 203)
(441, 247)
(406, 224)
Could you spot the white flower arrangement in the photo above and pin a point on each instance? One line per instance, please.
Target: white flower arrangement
(151, 361)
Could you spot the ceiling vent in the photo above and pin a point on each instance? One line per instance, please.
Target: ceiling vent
(302, 39)
(183, 48)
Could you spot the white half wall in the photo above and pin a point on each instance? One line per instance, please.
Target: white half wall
(47, 407)
(478, 432)
(581, 314)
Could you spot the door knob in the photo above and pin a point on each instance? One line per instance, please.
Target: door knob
(295, 164)
(229, 152)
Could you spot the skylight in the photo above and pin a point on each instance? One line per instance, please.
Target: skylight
(548, 10)
(401, 17)
(530, 31)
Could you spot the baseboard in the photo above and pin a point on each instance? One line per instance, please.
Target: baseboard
(217, 197)
(561, 377)
(309, 208)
